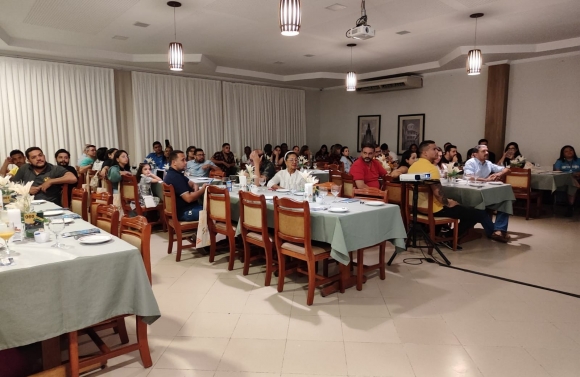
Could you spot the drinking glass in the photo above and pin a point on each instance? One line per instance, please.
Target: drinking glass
(292, 188)
(6, 232)
(234, 178)
(56, 227)
(322, 194)
(468, 178)
(335, 190)
(262, 182)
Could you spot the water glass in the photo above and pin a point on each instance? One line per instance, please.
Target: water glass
(262, 181)
(335, 190)
(56, 226)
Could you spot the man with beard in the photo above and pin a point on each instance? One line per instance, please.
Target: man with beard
(47, 178)
(16, 158)
(62, 157)
(200, 167)
(366, 170)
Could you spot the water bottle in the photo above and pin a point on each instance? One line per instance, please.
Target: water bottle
(229, 186)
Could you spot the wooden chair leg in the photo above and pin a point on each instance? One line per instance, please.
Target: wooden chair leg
(246, 258)
(382, 260)
(143, 343)
(232, 241)
(73, 353)
(281, 272)
(269, 266)
(212, 246)
(325, 267)
(170, 235)
(359, 269)
(455, 236)
(311, 283)
(528, 208)
(121, 329)
(539, 205)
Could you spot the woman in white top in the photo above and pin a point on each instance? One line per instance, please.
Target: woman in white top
(288, 177)
(346, 159)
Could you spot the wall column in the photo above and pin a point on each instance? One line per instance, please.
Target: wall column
(496, 111)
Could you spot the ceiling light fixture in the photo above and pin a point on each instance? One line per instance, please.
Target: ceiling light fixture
(351, 76)
(175, 48)
(290, 17)
(474, 60)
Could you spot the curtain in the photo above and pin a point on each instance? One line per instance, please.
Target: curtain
(186, 111)
(256, 115)
(55, 105)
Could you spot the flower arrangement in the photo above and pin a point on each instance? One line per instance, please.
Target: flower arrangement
(308, 178)
(151, 163)
(452, 170)
(302, 161)
(165, 167)
(385, 162)
(23, 197)
(249, 172)
(518, 162)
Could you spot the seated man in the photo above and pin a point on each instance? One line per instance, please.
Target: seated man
(187, 193)
(491, 156)
(199, 167)
(156, 159)
(87, 163)
(62, 157)
(16, 158)
(267, 169)
(225, 159)
(47, 178)
(444, 207)
(392, 156)
(366, 170)
(484, 170)
(449, 154)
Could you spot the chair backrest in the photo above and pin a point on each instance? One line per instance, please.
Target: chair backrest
(108, 218)
(335, 177)
(81, 178)
(334, 167)
(424, 202)
(347, 185)
(216, 174)
(169, 205)
(218, 205)
(79, 203)
(90, 175)
(396, 192)
(292, 223)
(137, 231)
(253, 214)
(371, 193)
(519, 179)
(107, 185)
(130, 193)
(64, 199)
(322, 165)
(96, 199)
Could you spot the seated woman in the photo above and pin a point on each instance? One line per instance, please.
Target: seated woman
(322, 154)
(277, 157)
(144, 179)
(569, 163)
(346, 159)
(305, 151)
(289, 177)
(442, 168)
(108, 162)
(407, 159)
(512, 150)
(413, 148)
(119, 168)
(190, 153)
(246, 155)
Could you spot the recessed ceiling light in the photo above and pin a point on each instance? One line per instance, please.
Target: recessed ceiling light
(403, 32)
(278, 62)
(140, 24)
(309, 55)
(120, 37)
(335, 7)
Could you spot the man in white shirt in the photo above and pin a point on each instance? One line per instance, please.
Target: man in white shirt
(289, 177)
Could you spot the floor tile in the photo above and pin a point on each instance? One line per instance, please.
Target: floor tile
(253, 355)
(210, 325)
(505, 362)
(369, 329)
(424, 331)
(482, 333)
(363, 307)
(315, 328)
(372, 359)
(558, 362)
(314, 357)
(193, 353)
(441, 361)
(262, 326)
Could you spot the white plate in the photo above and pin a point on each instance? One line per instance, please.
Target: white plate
(317, 208)
(38, 201)
(300, 193)
(338, 209)
(282, 190)
(66, 221)
(269, 197)
(94, 239)
(54, 212)
(495, 183)
(202, 179)
(476, 184)
(374, 203)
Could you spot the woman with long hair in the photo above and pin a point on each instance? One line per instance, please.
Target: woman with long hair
(407, 159)
(346, 159)
(512, 150)
(322, 153)
(438, 163)
(120, 167)
(189, 153)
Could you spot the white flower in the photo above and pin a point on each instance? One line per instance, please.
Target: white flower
(20, 189)
(4, 181)
(302, 160)
(250, 171)
(308, 178)
(166, 167)
(519, 159)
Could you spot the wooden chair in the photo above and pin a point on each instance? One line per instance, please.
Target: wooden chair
(219, 220)
(348, 186)
(397, 195)
(178, 230)
(293, 238)
(322, 165)
(96, 199)
(254, 226)
(520, 180)
(64, 199)
(79, 203)
(425, 216)
(379, 195)
(130, 194)
(137, 232)
(81, 179)
(90, 175)
(108, 218)
(335, 167)
(216, 174)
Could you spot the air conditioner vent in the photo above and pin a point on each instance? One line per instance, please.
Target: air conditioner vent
(386, 85)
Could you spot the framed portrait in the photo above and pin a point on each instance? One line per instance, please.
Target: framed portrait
(411, 131)
(369, 130)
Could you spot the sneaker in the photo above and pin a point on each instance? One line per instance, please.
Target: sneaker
(499, 238)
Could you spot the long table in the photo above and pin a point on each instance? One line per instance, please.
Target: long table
(552, 181)
(490, 196)
(362, 226)
(50, 292)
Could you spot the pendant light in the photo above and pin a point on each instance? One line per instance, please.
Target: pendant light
(474, 60)
(175, 48)
(351, 76)
(290, 17)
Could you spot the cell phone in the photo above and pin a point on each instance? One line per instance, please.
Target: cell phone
(80, 232)
(167, 143)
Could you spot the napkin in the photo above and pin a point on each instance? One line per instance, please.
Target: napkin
(243, 182)
(309, 192)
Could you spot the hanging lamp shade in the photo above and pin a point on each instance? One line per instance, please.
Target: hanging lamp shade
(290, 17)
(175, 56)
(474, 62)
(351, 81)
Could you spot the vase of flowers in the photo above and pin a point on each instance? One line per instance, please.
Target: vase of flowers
(23, 198)
(452, 172)
(302, 162)
(518, 162)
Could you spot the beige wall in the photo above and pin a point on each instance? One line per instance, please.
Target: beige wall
(543, 109)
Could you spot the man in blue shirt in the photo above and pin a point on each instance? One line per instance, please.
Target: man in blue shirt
(156, 158)
(200, 167)
(187, 193)
(483, 170)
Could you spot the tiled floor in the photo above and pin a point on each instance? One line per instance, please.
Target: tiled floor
(423, 320)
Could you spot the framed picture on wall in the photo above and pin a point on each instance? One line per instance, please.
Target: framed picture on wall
(411, 131)
(369, 130)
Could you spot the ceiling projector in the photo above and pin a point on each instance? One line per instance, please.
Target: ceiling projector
(361, 32)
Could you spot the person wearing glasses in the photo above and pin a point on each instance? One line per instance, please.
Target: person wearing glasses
(200, 167)
(289, 177)
(512, 150)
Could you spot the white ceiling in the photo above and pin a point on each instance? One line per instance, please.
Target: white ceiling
(241, 38)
